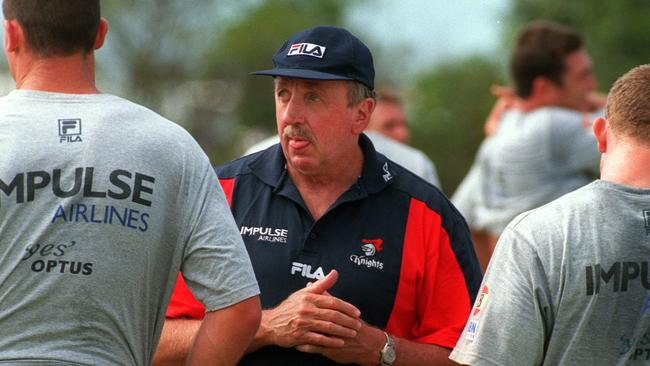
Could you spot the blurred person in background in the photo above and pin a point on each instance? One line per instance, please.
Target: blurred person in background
(540, 145)
(568, 283)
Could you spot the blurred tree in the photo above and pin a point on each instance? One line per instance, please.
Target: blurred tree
(616, 32)
(190, 60)
(449, 106)
(154, 45)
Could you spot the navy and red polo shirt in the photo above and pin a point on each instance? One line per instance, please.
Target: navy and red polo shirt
(403, 252)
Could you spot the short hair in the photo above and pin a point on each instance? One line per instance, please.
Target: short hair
(627, 109)
(540, 50)
(358, 92)
(56, 27)
(385, 95)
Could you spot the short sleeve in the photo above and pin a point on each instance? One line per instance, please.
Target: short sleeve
(216, 266)
(508, 321)
(438, 275)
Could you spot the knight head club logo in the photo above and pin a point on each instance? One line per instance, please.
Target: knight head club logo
(370, 247)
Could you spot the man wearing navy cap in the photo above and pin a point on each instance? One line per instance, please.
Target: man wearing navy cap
(358, 260)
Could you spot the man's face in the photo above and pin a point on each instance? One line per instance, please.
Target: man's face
(389, 119)
(577, 82)
(317, 128)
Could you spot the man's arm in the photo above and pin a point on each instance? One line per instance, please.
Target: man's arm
(225, 334)
(308, 316)
(175, 341)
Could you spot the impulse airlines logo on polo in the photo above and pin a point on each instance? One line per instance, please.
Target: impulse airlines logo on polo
(306, 49)
(369, 247)
(267, 234)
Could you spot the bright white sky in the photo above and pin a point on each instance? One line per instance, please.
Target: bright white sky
(431, 30)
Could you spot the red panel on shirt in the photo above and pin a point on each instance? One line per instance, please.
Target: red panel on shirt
(183, 304)
(228, 185)
(432, 303)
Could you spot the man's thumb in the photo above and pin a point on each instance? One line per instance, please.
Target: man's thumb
(324, 283)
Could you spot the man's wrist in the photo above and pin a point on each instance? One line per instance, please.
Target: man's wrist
(388, 353)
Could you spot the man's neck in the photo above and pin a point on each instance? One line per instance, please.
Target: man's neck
(319, 191)
(74, 74)
(529, 105)
(628, 166)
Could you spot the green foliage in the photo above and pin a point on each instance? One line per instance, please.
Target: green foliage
(450, 104)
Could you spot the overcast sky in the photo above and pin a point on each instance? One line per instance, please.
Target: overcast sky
(432, 30)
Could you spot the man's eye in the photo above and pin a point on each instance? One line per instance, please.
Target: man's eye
(313, 97)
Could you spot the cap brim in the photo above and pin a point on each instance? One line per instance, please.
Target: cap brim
(301, 74)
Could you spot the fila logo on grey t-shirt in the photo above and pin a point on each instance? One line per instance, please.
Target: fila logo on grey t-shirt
(70, 130)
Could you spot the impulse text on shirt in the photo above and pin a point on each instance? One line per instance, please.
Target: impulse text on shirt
(266, 234)
(92, 185)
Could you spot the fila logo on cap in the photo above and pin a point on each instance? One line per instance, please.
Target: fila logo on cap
(306, 49)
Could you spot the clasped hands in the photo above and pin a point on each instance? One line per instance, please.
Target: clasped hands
(313, 321)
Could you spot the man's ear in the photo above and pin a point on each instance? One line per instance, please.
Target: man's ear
(102, 30)
(543, 90)
(600, 131)
(13, 36)
(364, 110)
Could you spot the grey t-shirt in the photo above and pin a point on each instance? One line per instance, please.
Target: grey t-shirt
(533, 158)
(568, 284)
(101, 203)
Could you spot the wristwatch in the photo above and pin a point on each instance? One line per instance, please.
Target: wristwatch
(388, 352)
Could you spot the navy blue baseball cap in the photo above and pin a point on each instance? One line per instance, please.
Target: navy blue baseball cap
(324, 53)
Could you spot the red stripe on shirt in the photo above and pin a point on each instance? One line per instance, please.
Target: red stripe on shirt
(432, 303)
(228, 185)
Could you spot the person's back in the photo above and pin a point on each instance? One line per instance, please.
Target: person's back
(84, 178)
(102, 202)
(568, 283)
(542, 148)
(532, 159)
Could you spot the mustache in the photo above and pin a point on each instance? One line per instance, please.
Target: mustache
(291, 131)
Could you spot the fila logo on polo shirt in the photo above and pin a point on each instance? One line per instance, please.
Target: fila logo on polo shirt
(305, 270)
(306, 49)
(369, 247)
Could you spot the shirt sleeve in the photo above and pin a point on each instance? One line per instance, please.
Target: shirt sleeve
(508, 321)
(216, 266)
(439, 271)
(574, 145)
